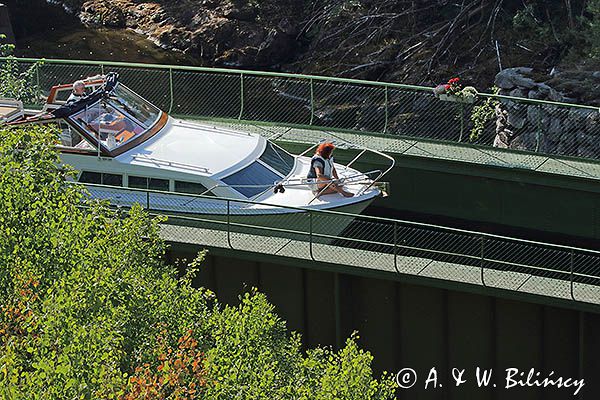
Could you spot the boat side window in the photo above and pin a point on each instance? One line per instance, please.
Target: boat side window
(141, 182)
(252, 180)
(101, 178)
(278, 159)
(70, 138)
(192, 188)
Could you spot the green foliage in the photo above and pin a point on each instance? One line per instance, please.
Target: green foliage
(593, 27)
(343, 375)
(90, 283)
(251, 338)
(88, 309)
(482, 114)
(526, 20)
(15, 83)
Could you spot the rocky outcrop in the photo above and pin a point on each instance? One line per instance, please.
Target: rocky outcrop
(539, 127)
(231, 32)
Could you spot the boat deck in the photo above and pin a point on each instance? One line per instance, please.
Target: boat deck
(458, 151)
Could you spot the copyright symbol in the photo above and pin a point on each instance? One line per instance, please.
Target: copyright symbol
(406, 378)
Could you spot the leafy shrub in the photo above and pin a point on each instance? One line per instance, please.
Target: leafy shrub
(88, 309)
(14, 82)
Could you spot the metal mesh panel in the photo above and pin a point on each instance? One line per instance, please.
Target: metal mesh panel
(277, 100)
(266, 232)
(27, 79)
(421, 115)
(538, 132)
(372, 243)
(151, 84)
(586, 268)
(206, 94)
(572, 132)
(59, 74)
(349, 106)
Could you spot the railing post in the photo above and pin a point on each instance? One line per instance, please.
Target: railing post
(538, 132)
(310, 233)
(171, 90)
(481, 262)
(37, 76)
(396, 247)
(101, 69)
(385, 107)
(147, 200)
(241, 96)
(229, 225)
(572, 289)
(462, 121)
(312, 102)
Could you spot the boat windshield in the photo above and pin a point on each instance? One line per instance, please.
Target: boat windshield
(274, 164)
(118, 119)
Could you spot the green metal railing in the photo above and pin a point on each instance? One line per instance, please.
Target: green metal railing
(338, 104)
(384, 244)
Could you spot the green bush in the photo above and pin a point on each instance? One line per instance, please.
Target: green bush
(14, 82)
(88, 309)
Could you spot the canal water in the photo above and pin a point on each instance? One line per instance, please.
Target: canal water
(45, 30)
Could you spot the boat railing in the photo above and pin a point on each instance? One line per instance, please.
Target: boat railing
(382, 244)
(356, 179)
(158, 161)
(344, 144)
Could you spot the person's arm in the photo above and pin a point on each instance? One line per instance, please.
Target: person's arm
(334, 172)
(318, 172)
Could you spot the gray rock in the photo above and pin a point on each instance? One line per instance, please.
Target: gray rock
(592, 123)
(525, 141)
(543, 89)
(517, 121)
(504, 82)
(535, 94)
(508, 78)
(555, 96)
(500, 126)
(518, 93)
(523, 82)
(499, 143)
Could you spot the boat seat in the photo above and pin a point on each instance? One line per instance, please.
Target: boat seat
(124, 136)
(10, 110)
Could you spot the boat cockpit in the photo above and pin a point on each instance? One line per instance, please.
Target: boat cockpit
(107, 121)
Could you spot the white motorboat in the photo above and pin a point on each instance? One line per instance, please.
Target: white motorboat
(117, 139)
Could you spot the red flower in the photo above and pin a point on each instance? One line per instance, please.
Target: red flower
(447, 86)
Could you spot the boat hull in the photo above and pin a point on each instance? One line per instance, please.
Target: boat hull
(239, 216)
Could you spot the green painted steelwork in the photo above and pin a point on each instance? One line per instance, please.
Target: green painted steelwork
(398, 246)
(318, 102)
